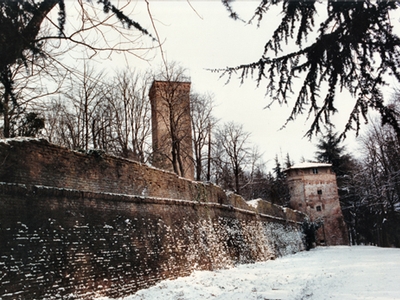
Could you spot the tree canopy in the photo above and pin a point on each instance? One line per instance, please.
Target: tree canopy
(27, 26)
(21, 21)
(354, 48)
(330, 150)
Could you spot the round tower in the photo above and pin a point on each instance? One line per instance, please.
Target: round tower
(313, 191)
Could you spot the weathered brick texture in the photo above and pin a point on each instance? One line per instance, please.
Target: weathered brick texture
(77, 226)
(36, 162)
(314, 191)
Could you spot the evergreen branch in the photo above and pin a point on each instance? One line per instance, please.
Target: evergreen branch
(107, 7)
(354, 49)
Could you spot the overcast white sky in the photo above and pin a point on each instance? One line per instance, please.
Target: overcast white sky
(200, 35)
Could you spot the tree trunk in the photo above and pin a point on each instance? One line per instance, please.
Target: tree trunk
(237, 186)
(198, 167)
(179, 157)
(209, 155)
(6, 115)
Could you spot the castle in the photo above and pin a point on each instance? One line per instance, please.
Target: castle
(313, 191)
(313, 186)
(83, 225)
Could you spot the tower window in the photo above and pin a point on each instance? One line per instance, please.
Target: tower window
(315, 171)
(319, 192)
(318, 208)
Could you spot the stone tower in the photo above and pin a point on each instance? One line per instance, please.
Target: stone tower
(313, 191)
(171, 127)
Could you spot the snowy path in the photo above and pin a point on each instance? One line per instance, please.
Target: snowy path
(324, 273)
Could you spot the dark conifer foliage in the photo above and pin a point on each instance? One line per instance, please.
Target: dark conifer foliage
(21, 20)
(331, 150)
(355, 49)
(19, 26)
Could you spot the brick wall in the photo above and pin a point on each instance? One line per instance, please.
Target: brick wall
(77, 226)
(36, 162)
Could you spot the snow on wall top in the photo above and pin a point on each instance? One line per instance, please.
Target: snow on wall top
(253, 203)
(308, 165)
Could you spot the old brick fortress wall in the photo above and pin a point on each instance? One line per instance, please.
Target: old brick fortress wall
(76, 226)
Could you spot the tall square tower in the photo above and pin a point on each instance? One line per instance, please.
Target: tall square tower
(171, 127)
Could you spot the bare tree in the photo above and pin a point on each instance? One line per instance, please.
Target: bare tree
(377, 185)
(100, 113)
(233, 141)
(84, 97)
(33, 35)
(255, 181)
(382, 164)
(81, 117)
(56, 128)
(371, 193)
(203, 123)
(29, 91)
(131, 108)
(23, 22)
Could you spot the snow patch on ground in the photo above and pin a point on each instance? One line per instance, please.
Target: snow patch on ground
(341, 272)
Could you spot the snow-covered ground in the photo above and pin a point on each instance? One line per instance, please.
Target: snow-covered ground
(341, 272)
